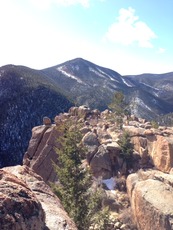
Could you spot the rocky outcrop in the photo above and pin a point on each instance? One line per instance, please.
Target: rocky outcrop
(91, 142)
(42, 152)
(30, 203)
(99, 138)
(155, 146)
(80, 112)
(101, 164)
(151, 196)
(19, 207)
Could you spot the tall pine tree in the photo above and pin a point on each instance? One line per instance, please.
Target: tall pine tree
(74, 187)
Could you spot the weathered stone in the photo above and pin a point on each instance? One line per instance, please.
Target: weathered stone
(85, 130)
(171, 171)
(134, 118)
(153, 148)
(141, 120)
(124, 227)
(90, 139)
(46, 121)
(110, 200)
(162, 154)
(55, 216)
(91, 143)
(151, 195)
(103, 135)
(105, 113)
(96, 112)
(61, 117)
(133, 123)
(80, 112)
(113, 147)
(73, 111)
(135, 131)
(101, 164)
(19, 207)
(42, 152)
(117, 225)
(147, 125)
(114, 134)
(148, 132)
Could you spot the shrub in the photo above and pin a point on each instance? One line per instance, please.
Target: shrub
(126, 149)
(154, 124)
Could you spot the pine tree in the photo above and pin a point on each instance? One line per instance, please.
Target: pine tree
(74, 187)
(118, 105)
(126, 148)
(119, 108)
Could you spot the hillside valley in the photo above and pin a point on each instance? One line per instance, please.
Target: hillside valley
(28, 95)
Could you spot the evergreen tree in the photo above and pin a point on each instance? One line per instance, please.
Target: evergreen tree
(119, 107)
(74, 187)
(126, 148)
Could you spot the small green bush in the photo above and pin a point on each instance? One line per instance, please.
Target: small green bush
(126, 149)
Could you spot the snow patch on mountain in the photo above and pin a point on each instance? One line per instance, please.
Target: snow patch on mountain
(112, 79)
(61, 69)
(142, 104)
(75, 67)
(102, 74)
(127, 83)
(96, 72)
(150, 86)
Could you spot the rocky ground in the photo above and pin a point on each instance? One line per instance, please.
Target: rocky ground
(142, 197)
(28, 203)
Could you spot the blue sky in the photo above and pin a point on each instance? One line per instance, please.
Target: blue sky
(129, 36)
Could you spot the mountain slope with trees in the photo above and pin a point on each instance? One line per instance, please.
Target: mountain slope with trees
(148, 95)
(27, 95)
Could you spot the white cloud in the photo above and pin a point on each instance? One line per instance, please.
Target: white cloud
(128, 29)
(161, 50)
(44, 4)
(84, 3)
(28, 40)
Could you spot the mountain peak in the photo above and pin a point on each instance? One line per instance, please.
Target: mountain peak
(83, 82)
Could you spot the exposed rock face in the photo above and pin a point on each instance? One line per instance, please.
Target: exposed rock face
(91, 142)
(101, 163)
(154, 146)
(44, 208)
(19, 207)
(42, 152)
(102, 148)
(81, 111)
(151, 195)
(46, 121)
